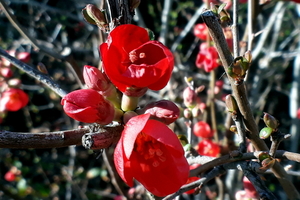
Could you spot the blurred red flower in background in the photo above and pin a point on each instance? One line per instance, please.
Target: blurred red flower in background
(200, 31)
(131, 60)
(202, 129)
(13, 99)
(207, 58)
(151, 153)
(207, 147)
(87, 105)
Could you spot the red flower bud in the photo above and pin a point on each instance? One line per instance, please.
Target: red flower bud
(24, 57)
(151, 153)
(202, 129)
(13, 99)
(131, 59)
(164, 111)
(189, 97)
(6, 72)
(9, 176)
(87, 105)
(95, 79)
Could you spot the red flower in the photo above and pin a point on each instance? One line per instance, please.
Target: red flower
(10, 176)
(87, 105)
(13, 99)
(208, 148)
(207, 58)
(192, 179)
(131, 60)
(200, 31)
(202, 129)
(151, 153)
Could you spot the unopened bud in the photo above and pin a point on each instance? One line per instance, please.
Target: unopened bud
(134, 3)
(270, 121)
(248, 56)
(94, 16)
(263, 155)
(265, 132)
(42, 68)
(231, 104)
(267, 163)
(187, 113)
(233, 128)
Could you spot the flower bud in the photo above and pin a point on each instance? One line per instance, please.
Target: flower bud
(42, 68)
(87, 105)
(270, 121)
(94, 16)
(233, 128)
(187, 113)
(189, 97)
(94, 78)
(6, 72)
(134, 3)
(267, 163)
(164, 111)
(231, 104)
(263, 155)
(24, 56)
(248, 56)
(265, 132)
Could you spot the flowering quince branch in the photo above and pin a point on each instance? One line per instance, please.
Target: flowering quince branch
(239, 92)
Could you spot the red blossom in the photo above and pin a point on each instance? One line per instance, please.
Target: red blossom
(200, 31)
(207, 58)
(298, 113)
(208, 148)
(202, 129)
(87, 105)
(13, 99)
(151, 153)
(10, 176)
(131, 60)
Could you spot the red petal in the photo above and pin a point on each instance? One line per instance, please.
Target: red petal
(132, 128)
(165, 135)
(120, 161)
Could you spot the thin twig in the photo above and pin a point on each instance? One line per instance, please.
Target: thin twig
(34, 73)
(68, 59)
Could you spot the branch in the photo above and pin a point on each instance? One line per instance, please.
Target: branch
(34, 73)
(240, 94)
(54, 139)
(68, 59)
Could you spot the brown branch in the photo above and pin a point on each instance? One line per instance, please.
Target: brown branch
(240, 94)
(57, 139)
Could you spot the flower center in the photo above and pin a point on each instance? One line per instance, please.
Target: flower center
(150, 149)
(134, 57)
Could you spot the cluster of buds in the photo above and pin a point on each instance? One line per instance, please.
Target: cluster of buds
(238, 69)
(271, 126)
(266, 160)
